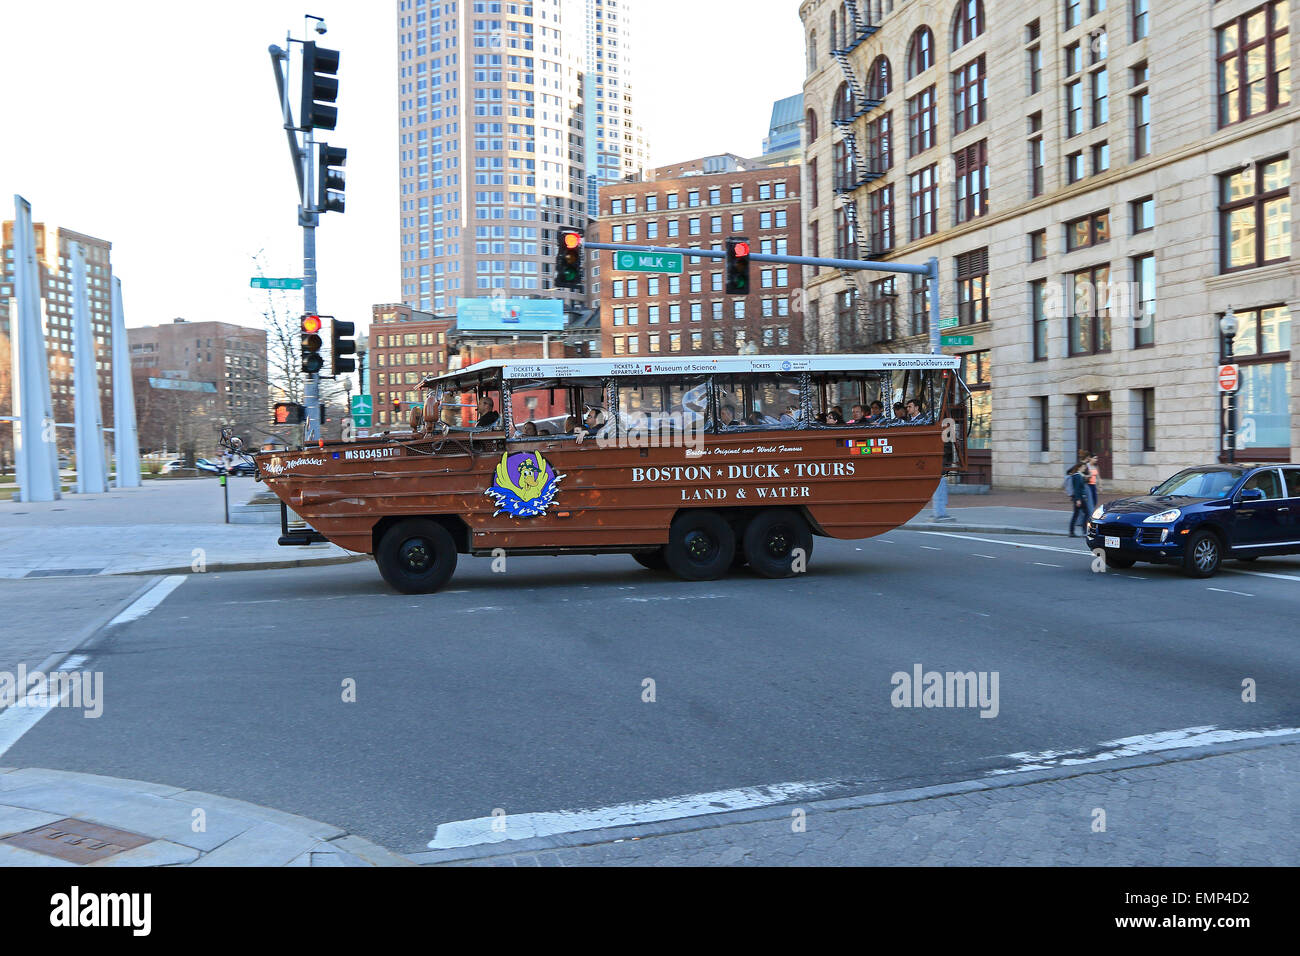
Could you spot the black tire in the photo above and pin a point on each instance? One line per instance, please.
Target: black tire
(652, 560)
(1118, 561)
(771, 540)
(416, 556)
(1202, 554)
(701, 546)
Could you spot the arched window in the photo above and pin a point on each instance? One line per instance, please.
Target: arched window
(834, 46)
(967, 23)
(812, 51)
(810, 121)
(843, 106)
(879, 78)
(920, 52)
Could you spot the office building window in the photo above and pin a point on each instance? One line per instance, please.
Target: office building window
(1262, 347)
(1038, 245)
(1143, 307)
(973, 287)
(1141, 19)
(1143, 214)
(1087, 231)
(1038, 320)
(923, 201)
(1254, 63)
(968, 22)
(880, 214)
(1147, 396)
(969, 94)
(1074, 167)
(1089, 323)
(1255, 215)
(922, 118)
(972, 187)
(1141, 109)
(920, 52)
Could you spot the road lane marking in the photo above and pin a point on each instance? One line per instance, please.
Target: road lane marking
(928, 548)
(524, 826)
(1043, 564)
(150, 599)
(1133, 746)
(1226, 591)
(1013, 544)
(1262, 574)
(18, 718)
(976, 554)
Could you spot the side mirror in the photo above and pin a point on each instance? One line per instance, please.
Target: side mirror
(1251, 494)
(1153, 489)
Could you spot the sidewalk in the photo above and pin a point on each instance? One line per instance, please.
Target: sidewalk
(175, 526)
(1001, 512)
(1229, 805)
(57, 818)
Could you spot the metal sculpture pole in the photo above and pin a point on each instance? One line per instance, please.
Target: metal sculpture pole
(36, 451)
(88, 415)
(126, 443)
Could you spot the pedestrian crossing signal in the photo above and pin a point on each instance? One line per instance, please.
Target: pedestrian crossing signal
(289, 413)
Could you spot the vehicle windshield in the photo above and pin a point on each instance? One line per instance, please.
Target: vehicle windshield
(1199, 483)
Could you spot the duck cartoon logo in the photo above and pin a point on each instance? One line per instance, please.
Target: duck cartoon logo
(525, 485)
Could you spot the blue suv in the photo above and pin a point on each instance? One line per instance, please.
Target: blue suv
(1201, 516)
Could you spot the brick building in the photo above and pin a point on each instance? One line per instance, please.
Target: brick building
(645, 313)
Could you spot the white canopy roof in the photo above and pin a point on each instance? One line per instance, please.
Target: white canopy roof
(703, 365)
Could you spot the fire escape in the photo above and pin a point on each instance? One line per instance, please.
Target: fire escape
(863, 23)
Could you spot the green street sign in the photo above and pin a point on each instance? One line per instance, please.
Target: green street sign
(948, 323)
(362, 409)
(670, 262)
(957, 340)
(262, 282)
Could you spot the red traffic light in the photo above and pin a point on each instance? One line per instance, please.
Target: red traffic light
(571, 240)
(741, 248)
(311, 323)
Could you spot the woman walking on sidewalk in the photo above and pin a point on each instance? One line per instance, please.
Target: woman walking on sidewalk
(1078, 496)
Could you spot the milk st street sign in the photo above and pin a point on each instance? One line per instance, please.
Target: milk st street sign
(648, 262)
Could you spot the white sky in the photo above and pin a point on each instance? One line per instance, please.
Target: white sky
(154, 124)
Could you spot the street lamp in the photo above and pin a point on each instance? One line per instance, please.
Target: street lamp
(1228, 327)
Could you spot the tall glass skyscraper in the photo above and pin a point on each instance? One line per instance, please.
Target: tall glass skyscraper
(510, 113)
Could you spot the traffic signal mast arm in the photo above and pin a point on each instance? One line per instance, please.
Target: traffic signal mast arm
(930, 269)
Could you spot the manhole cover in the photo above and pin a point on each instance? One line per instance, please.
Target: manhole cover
(62, 572)
(78, 841)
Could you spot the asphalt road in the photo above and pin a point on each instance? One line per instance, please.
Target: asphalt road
(523, 690)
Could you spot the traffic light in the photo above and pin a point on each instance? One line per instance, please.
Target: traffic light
(289, 413)
(568, 260)
(341, 346)
(320, 87)
(738, 266)
(311, 343)
(329, 177)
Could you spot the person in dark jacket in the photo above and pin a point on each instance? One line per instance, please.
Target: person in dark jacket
(1078, 485)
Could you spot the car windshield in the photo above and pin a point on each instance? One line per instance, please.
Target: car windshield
(1199, 483)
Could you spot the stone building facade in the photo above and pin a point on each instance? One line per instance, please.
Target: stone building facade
(1100, 180)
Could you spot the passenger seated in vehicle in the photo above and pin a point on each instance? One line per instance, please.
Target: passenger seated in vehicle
(833, 417)
(860, 416)
(877, 413)
(726, 417)
(529, 430)
(900, 412)
(915, 412)
(570, 425)
(487, 417)
(790, 416)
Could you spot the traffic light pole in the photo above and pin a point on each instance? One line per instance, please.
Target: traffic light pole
(308, 218)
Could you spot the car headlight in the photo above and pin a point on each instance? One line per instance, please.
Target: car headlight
(1101, 510)
(1165, 517)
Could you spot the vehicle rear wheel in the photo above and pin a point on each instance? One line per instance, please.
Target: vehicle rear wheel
(772, 539)
(1202, 555)
(653, 560)
(1114, 560)
(416, 556)
(701, 546)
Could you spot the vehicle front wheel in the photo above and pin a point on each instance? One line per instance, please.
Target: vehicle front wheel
(1114, 560)
(416, 556)
(778, 543)
(701, 546)
(1202, 555)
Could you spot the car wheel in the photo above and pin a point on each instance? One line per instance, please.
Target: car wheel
(416, 556)
(1202, 555)
(776, 542)
(700, 546)
(1114, 560)
(652, 560)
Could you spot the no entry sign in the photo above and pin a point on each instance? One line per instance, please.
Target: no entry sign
(1229, 377)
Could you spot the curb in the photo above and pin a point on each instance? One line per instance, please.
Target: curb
(219, 566)
(782, 811)
(312, 838)
(977, 528)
